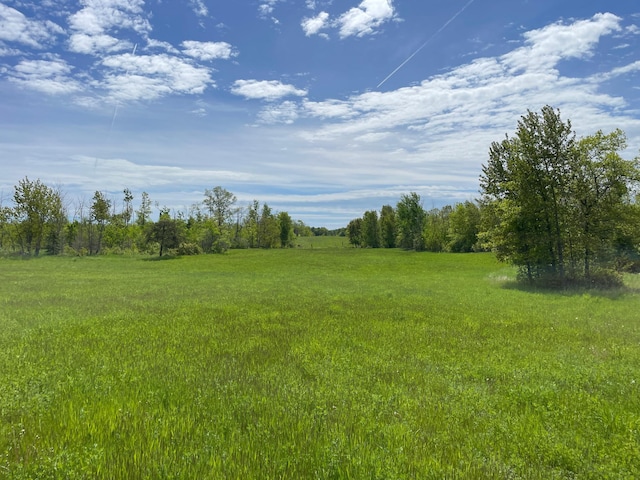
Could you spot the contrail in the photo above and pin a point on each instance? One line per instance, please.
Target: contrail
(115, 109)
(425, 43)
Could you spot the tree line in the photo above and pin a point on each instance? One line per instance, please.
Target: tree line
(564, 210)
(41, 219)
(409, 226)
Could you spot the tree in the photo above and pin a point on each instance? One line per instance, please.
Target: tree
(354, 232)
(100, 213)
(436, 232)
(410, 219)
(600, 202)
(285, 224)
(36, 207)
(464, 223)
(143, 214)
(268, 232)
(388, 232)
(370, 229)
(219, 203)
(127, 208)
(166, 231)
(549, 194)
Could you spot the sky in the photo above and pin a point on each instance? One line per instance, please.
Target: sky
(321, 108)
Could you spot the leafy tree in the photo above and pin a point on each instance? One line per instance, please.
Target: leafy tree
(436, 232)
(388, 231)
(354, 232)
(464, 224)
(166, 232)
(36, 206)
(370, 229)
(285, 224)
(100, 213)
(554, 199)
(410, 219)
(219, 203)
(268, 231)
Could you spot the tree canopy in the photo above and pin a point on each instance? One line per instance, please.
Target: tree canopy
(559, 204)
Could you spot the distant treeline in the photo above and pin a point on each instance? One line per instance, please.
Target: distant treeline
(40, 219)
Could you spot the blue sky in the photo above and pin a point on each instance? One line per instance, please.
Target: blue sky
(323, 109)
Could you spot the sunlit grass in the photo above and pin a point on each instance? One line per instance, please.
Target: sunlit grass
(323, 363)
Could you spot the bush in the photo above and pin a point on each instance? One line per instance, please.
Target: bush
(188, 249)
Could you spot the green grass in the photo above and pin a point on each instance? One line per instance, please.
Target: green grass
(323, 363)
(322, 242)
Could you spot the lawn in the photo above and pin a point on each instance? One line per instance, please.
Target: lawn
(312, 363)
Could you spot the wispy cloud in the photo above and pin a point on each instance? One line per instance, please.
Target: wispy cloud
(199, 8)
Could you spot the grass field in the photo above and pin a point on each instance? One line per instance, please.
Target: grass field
(312, 363)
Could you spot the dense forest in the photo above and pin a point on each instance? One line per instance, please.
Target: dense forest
(562, 209)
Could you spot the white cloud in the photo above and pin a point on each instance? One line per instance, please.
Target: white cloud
(286, 112)
(313, 25)
(265, 89)
(545, 47)
(96, 44)
(365, 18)
(98, 17)
(199, 8)
(15, 27)
(147, 77)
(485, 94)
(47, 76)
(208, 50)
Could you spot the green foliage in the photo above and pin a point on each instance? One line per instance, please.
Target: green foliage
(464, 224)
(410, 221)
(354, 232)
(285, 223)
(167, 232)
(388, 231)
(348, 363)
(557, 203)
(38, 212)
(370, 230)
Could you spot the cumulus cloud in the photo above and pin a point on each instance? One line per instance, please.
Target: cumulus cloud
(47, 76)
(93, 24)
(147, 77)
(365, 18)
(265, 89)
(313, 25)
(94, 44)
(208, 50)
(15, 27)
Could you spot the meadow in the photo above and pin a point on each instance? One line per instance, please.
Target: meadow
(312, 363)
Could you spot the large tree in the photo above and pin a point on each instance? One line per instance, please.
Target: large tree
(546, 191)
(410, 221)
(370, 229)
(36, 208)
(219, 203)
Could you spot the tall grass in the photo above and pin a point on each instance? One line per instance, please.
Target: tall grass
(323, 363)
